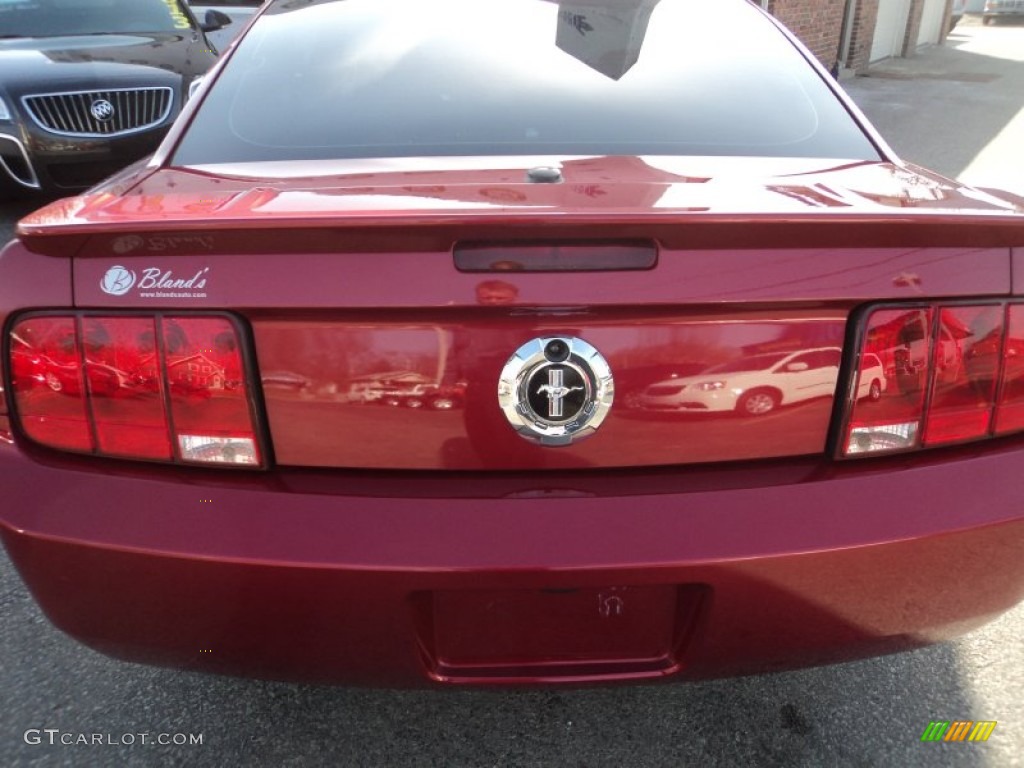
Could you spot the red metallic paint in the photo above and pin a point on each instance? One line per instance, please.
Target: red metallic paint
(332, 424)
(621, 191)
(30, 281)
(240, 276)
(824, 563)
(379, 576)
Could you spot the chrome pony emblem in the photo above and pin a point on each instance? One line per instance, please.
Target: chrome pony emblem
(102, 110)
(556, 390)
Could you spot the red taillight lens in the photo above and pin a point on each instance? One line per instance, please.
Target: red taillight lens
(46, 379)
(209, 395)
(941, 370)
(163, 388)
(127, 409)
(1010, 413)
(965, 368)
(892, 376)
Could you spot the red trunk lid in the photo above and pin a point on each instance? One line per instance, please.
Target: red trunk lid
(377, 351)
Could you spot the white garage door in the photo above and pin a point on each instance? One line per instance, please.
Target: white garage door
(931, 22)
(890, 28)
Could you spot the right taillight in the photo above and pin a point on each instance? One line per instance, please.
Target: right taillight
(159, 387)
(934, 375)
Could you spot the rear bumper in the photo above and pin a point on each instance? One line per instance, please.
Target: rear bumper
(401, 581)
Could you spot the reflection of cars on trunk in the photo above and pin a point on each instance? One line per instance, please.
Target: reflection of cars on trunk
(60, 372)
(752, 386)
(45, 357)
(906, 355)
(286, 380)
(407, 390)
(871, 382)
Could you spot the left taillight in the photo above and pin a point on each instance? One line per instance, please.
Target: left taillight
(933, 375)
(159, 387)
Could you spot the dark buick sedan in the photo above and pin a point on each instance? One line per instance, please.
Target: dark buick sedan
(727, 387)
(89, 86)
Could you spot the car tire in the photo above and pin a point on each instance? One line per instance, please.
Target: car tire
(413, 402)
(758, 402)
(953, 21)
(875, 391)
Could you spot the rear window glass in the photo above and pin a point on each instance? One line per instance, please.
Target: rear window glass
(50, 18)
(400, 78)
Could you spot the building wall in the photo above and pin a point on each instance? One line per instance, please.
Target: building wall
(913, 27)
(862, 33)
(818, 24)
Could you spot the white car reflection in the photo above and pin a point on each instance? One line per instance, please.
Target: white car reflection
(759, 384)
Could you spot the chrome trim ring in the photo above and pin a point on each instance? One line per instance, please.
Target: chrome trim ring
(556, 390)
(33, 181)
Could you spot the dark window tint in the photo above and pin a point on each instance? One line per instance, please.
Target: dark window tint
(400, 78)
(831, 358)
(50, 18)
(811, 360)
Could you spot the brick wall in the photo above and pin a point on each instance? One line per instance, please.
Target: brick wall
(818, 24)
(862, 34)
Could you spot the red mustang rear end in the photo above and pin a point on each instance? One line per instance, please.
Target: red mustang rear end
(515, 343)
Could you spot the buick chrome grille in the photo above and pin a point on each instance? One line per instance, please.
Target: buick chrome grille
(100, 113)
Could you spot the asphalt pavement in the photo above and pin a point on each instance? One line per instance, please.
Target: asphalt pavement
(957, 109)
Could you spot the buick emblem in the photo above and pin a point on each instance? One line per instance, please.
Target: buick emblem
(102, 110)
(556, 390)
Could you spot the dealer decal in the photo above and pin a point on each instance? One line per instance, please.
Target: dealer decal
(154, 283)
